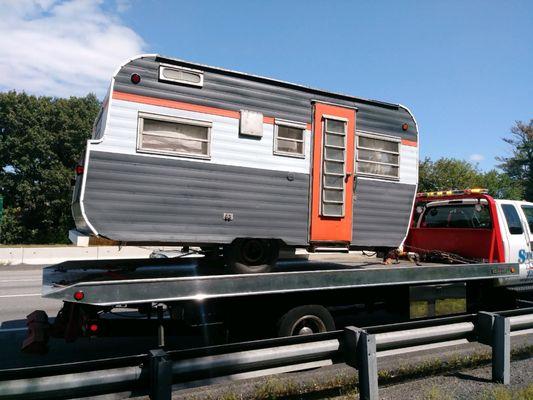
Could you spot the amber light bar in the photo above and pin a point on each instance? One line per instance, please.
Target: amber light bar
(443, 193)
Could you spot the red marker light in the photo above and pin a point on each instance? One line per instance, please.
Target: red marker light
(135, 78)
(405, 127)
(93, 328)
(79, 295)
(79, 169)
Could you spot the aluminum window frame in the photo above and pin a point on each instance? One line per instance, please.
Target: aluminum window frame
(290, 124)
(325, 117)
(377, 136)
(178, 120)
(162, 78)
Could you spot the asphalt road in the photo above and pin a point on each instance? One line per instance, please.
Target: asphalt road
(20, 294)
(20, 291)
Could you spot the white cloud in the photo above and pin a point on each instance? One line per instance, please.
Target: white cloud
(62, 48)
(477, 157)
(123, 5)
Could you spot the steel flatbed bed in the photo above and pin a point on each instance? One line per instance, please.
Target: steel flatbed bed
(113, 282)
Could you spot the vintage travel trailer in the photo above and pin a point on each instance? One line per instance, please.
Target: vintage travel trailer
(190, 154)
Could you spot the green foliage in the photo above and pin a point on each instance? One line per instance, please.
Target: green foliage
(519, 166)
(41, 140)
(450, 173)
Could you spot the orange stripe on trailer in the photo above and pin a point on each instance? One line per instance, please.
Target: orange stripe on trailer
(412, 143)
(175, 104)
(180, 105)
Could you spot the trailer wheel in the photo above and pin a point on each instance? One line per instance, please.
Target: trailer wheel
(245, 256)
(305, 320)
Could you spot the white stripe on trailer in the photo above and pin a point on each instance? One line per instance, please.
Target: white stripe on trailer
(227, 146)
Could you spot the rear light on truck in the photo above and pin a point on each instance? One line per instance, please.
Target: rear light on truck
(79, 169)
(93, 328)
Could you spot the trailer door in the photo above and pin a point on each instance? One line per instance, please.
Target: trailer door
(332, 173)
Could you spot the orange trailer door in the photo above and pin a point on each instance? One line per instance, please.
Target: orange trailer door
(332, 174)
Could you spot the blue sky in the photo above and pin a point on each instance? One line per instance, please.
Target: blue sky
(465, 68)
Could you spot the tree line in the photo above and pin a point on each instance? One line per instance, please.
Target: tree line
(42, 139)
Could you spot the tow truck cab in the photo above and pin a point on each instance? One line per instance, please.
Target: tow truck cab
(473, 225)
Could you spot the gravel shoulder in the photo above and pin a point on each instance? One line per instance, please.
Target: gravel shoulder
(462, 385)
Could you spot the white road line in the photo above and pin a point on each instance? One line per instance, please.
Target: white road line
(5, 296)
(13, 330)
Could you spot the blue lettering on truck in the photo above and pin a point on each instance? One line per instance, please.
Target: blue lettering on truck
(524, 256)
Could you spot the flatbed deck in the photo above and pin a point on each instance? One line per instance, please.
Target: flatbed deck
(112, 282)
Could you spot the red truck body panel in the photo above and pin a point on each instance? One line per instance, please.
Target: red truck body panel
(478, 243)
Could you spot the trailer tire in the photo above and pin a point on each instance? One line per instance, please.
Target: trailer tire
(248, 256)
(305, 320)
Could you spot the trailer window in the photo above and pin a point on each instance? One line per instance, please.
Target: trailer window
(174, 136)
(378, 156)
(473, 216)
(289, 138)
(528, 211)
(513, 220)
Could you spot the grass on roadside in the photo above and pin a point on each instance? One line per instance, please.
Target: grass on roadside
(275, 388)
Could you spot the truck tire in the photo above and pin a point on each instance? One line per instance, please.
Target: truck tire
(249, 256)
(305, 320)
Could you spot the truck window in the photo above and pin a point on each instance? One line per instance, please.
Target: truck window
(528, 211)
(513, 220)
(473, 216)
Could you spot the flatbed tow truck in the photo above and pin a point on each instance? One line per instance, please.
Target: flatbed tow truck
(300, 296)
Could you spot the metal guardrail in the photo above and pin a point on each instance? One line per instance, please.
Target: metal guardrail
(155, 373)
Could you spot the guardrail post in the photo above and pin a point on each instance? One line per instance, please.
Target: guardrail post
(160, 375)
(360, 353)
(495, 331)
(501, 350)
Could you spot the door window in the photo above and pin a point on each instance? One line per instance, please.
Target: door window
(333, 167)
(528, 211)
(513, 220)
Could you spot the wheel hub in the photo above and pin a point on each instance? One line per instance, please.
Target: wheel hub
(307, 325)
(305, 331)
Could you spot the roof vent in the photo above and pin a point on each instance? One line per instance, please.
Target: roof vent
(181, 75)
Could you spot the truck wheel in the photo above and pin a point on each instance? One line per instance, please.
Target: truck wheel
(305, 320)
(245, 256)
